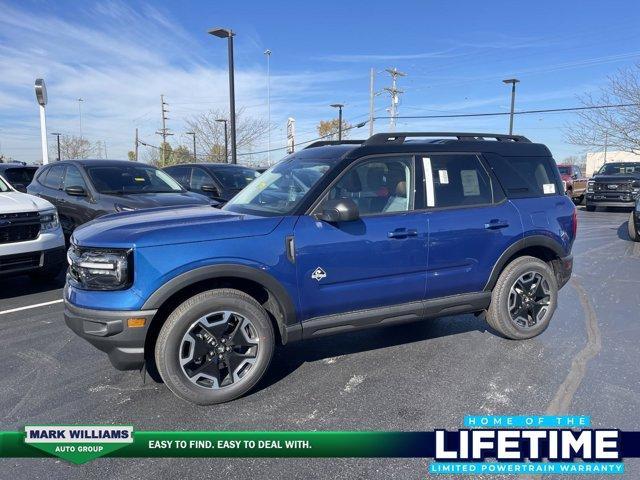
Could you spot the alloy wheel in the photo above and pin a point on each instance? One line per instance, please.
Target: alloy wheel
(529, 300)
(219, 349)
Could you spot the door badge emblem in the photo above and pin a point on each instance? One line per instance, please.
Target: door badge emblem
(318, 274)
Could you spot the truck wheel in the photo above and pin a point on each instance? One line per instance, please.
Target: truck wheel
(47, 274)
(590, 208)
(633, 233)
(215, 346)
(523, 299)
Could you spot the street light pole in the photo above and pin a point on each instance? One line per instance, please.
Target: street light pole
(228, 34)
(513, 82)
(267, 52)
(58, 140)
(193, 134)
(80, 100)
(226, 140)
(339, 107)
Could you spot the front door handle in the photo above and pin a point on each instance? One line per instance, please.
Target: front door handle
(403, 233)
(496, 224)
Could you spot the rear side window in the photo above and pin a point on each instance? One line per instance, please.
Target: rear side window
(54, 177)
(458, 181)
(19, 175)
(523, 177)
(181, 174)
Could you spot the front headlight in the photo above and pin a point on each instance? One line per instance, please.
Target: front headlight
(590, 186)
(48, 220)
(99, 269)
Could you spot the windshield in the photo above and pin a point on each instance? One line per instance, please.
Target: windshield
(619, 169)
(280, 189)
(3, 186)
(235, 178)
(564, 170)
(117, 180)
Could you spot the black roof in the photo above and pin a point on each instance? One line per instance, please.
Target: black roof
(99, 162)
(7, 166)
(211, 165)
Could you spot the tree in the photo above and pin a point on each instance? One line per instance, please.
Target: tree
(210, 133)
(617, 128)
(72, 147)
(573, 160)
(131, 155)
(328, 129)
(180, 154)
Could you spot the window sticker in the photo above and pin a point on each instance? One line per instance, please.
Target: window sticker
(548, 188)
(444, 177)
(470, 183)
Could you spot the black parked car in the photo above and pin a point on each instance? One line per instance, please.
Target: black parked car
(17, 175)
(634, 222)
(219, 181)
(615, 185)
(86, 189)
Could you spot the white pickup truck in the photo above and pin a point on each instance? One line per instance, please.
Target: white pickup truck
(31, 240)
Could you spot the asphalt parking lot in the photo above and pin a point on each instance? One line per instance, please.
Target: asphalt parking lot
(414, 377)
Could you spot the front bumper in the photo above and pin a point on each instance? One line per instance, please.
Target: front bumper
(611, 200)
(21, 263)
(108, 331)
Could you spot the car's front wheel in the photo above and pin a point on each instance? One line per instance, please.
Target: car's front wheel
(523, 299)
(215, 346)
(633, 230)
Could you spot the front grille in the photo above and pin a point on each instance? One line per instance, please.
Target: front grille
(19, 227)
(612, 187)
(20, 261)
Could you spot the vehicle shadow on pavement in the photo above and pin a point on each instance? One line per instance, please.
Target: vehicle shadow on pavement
(623, 232)
(21, 285)
(288, 358)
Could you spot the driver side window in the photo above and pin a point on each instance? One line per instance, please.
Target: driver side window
(378, 186)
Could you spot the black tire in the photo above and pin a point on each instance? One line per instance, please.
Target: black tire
(590, 208)
(631, 225)
(499, 316)
(170, 345)
(47, 274)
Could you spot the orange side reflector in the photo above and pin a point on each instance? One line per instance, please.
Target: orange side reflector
(135, 322)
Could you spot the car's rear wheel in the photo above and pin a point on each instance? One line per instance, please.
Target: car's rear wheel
(215, 347)
(633, 231)
(523, 299)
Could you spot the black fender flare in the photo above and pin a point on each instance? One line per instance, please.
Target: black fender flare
(526, 242)
(211, 272)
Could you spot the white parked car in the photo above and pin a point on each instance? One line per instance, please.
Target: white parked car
(31, 240)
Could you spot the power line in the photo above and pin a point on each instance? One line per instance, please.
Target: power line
(164, 131)
(394, 92)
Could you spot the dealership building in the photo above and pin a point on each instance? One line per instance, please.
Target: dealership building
(596, 159)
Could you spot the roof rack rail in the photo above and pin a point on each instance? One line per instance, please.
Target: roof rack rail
(400, 137)
(323, 143)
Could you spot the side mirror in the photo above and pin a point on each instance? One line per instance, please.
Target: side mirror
(574, 176)
(76, 191)
(339, 210)
(210, 188)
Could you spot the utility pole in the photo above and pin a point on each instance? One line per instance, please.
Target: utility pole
(339, 107)
(372, 94)
(80, 100)
(513, 82)
(163, 132)
(268, 54)
(106, 154)
(394, 92)
(606, 145)
(193, 134)
(58, 140)
(136, 149)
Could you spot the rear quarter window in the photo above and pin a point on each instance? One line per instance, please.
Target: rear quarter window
(523, 177)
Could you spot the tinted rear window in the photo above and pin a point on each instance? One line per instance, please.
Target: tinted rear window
(19, 175)
(523, 177)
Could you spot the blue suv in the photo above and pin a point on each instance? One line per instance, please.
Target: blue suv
(337, 237)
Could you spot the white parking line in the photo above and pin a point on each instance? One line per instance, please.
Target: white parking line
(4, 312)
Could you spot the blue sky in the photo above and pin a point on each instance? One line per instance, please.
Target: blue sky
(120, 56)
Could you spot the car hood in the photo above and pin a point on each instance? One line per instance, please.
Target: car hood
(15, 202)
(616, 178)
(151, 200)
(170, 225)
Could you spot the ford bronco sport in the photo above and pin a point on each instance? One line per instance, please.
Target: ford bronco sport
(337, 237)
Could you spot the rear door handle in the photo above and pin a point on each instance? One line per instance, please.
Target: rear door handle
(496, 224)
(403, 233)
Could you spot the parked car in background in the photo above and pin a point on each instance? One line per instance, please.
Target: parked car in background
(332, 239)
(31, 239)
(18, 175)
(218, 181)
(86, 189)
(615, 185)
(574, 181)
